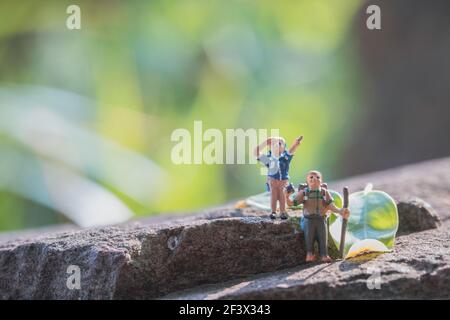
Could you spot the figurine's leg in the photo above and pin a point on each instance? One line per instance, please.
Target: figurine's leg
(282, 199)
(323, 240)
(273, 198)
(309, 239)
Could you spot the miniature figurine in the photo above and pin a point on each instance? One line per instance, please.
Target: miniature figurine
(317, 201)
(277, 161)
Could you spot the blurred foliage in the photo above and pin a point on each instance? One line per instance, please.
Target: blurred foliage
(140, 69)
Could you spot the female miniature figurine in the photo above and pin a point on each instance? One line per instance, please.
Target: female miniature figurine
(277, 161)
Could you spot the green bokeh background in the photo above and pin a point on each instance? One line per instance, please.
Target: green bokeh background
(146, 68)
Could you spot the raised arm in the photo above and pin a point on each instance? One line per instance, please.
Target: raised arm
(295, 145)
(262, 145)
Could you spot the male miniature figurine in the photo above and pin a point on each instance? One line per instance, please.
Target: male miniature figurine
(277, 161)
(317, 201)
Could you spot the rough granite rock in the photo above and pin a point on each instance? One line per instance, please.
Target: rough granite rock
(419, 267)
(154, 257)
(416, 215)
(145, 262)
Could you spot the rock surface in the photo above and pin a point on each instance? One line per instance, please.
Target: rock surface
(416, 215)
(158, 257)
(418, 268)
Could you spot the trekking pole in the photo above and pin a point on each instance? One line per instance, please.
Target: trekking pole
(344, 225)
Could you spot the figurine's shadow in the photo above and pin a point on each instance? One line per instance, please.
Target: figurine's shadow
(357, 261)
(328, 265)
